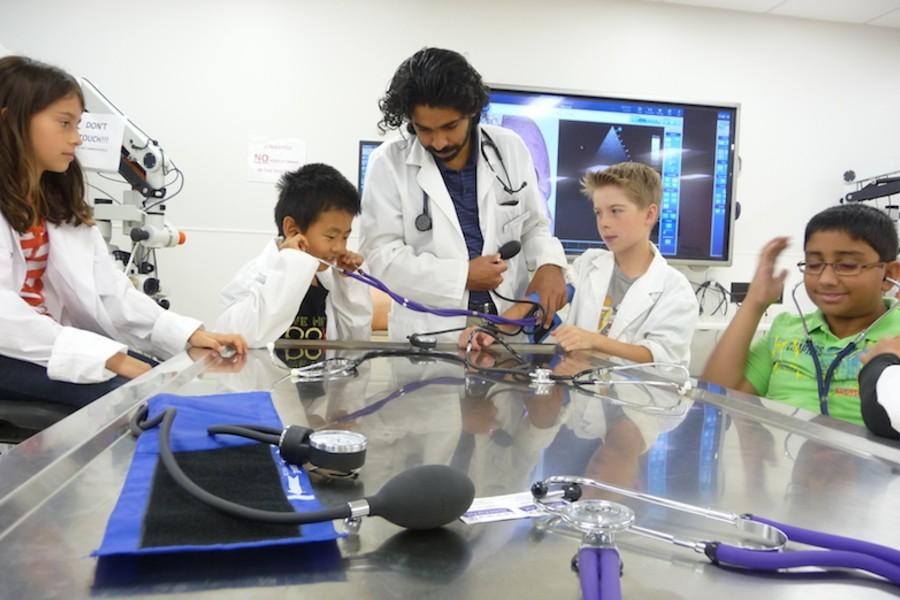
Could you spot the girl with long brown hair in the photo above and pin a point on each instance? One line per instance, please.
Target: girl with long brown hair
(68, 316)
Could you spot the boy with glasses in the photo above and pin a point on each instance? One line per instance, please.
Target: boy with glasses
(850, 262)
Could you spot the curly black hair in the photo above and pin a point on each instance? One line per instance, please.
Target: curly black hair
(432, 77)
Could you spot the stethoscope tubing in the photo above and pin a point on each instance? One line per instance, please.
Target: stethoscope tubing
(423, 220)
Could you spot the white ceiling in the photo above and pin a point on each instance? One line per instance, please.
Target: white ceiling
(884, 13)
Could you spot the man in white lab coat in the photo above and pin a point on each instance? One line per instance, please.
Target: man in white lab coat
(439, 203)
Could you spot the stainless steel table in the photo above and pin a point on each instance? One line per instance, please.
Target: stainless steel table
(731, 452)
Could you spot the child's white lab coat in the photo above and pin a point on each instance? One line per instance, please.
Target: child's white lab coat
(659, 311)
(263, 298)
(96, 311)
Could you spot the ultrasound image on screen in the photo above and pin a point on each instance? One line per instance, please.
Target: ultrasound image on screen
(585, 147)
(691, 146)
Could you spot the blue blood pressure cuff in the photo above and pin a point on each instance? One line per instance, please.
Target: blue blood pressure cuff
(539, 333)
(155, 516)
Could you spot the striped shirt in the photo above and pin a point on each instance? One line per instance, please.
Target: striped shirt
(36, 246)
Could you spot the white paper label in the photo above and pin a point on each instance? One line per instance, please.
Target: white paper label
(269, 160)
(101, 141)
(504, 508)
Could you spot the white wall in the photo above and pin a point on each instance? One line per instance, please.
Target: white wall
(204, 77)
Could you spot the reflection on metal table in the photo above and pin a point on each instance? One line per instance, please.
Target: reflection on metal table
(725, 452)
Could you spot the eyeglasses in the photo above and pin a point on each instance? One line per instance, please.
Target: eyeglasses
(841, 269)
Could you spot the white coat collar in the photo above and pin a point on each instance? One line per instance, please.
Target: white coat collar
(642, 294)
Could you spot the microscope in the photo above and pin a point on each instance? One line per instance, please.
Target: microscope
(143, 166)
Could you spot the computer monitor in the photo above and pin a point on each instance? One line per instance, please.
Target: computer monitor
(365, 149)
(692, 146)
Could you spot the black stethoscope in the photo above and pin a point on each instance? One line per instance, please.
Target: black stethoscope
(823, 383)
(423, 219)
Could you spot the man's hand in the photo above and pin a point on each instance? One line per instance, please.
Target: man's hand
(485, 273)
(480, 341)
(218, 341)
(573, 338)
(349, 261)
(766, 286)
(296, 241)
(550, 285)
(885, 346)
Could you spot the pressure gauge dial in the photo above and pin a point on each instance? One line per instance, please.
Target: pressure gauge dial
(338, 441)
(337, 449)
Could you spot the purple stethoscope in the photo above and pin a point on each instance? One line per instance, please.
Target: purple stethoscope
(507, 251)
(762, 546)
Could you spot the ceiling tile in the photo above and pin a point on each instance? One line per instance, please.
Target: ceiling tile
(757, 6)
(845, 11)
(892, 19)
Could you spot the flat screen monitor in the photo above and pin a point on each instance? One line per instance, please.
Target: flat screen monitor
(692, 146)
(365, 149)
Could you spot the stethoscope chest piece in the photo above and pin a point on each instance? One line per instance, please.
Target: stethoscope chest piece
(423, 222)
(597, 516)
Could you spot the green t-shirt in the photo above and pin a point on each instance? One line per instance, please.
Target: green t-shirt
(779, 365)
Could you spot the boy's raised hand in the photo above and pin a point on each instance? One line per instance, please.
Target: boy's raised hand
(296, 241)
(767, 286)
(349, 261)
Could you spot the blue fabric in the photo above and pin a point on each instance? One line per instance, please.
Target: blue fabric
(195, 414)
(462, 185)
(539, 334)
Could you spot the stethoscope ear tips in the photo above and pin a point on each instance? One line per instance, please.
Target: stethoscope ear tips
(572, 492)
(539, 489)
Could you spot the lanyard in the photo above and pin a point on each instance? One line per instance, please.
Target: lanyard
(824, 383)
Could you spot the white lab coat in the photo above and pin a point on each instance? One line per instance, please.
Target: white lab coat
(262, 299)
(659, 311)
(888, 396)
(431, 267)
(96, 311)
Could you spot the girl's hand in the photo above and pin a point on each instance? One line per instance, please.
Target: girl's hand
(127, 366)
(218, 341)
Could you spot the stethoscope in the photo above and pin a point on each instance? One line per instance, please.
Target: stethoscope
(423, 220)
(761, 543)
(823, 383)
